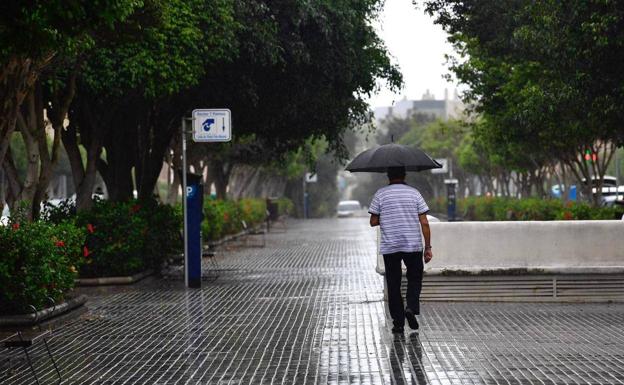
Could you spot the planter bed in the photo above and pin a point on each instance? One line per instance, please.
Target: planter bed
(43, 315)
(123, 280)
(251, 231)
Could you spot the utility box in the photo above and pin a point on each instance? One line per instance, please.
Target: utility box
(451, 198)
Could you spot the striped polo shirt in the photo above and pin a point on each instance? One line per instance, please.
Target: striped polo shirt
(398, 206)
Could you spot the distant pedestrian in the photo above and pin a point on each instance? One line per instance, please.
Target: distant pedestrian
(401, 212)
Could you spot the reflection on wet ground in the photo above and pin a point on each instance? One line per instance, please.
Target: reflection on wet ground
(308, 309)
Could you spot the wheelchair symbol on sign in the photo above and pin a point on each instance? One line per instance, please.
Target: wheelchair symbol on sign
(207, 125)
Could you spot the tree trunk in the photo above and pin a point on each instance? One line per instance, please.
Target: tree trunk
(176, 166)
(120, 159)
(83, 175)
(17, 78)
(153, 167)
(220, 172)
(58, 108)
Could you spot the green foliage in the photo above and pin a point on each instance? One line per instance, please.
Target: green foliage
(37, 28)
(541, 74)
(128, 237)
(123, 238)
(225, 217)
(530, 209)
(39, 260)
(285, 206)
(162, 48)
(66, 209)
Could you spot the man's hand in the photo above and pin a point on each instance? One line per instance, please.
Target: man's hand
(428, 255)
(374, 220)
(424, 225)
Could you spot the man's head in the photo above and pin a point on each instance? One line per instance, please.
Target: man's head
(396, 173)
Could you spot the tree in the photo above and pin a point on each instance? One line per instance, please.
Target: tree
(32, 36)
(139, 76)
(302, 71)
(542, 75)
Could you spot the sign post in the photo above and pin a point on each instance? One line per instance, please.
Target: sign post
(208, 125)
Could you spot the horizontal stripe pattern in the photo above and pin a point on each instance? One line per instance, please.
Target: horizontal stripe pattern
(398, 207)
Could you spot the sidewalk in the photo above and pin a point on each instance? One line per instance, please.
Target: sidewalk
(308, 309)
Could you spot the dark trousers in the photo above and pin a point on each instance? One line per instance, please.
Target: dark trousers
(414, 264)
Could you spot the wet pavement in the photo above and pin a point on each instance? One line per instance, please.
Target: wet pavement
(308, 309)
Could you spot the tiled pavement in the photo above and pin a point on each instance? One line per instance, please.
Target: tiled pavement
(308, 309)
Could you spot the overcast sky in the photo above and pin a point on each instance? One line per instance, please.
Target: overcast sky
(418, 47)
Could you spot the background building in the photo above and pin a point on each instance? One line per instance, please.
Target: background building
(444, 109)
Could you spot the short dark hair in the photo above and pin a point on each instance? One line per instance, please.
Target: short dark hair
(396, 172)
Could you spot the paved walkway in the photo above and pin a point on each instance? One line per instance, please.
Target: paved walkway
(308, 309)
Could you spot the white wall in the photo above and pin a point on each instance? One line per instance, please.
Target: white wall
(552, 246)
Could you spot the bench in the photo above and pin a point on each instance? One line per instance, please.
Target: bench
(27, 339)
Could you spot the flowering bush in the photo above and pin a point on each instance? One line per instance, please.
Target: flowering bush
(129, 237)
(123, 238)
(39, 260)
(226, 217)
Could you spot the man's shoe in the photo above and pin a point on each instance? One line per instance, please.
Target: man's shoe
(397, 329)
(411, 319)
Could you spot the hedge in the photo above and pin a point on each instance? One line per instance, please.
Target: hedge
(123, 238)
(42, 259)
(224, 217)
(39, 260)
(530, 209)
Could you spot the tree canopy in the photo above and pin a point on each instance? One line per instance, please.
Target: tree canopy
(124, 73)
(542, 74)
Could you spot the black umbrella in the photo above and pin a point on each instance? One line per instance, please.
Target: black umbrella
(378, 159)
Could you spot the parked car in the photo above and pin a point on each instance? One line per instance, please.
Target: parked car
(5, 215)
(612, 196)
(348, 208)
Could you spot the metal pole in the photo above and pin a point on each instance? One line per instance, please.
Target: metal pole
(617, 175)
(184, 208)
(305, 209)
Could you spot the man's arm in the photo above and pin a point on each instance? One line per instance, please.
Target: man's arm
(374, 220)
(424, 225)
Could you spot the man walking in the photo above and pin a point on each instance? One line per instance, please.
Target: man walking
(401, 212)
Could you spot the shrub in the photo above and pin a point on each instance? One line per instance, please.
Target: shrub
(39, 260)
(124, 238)
(253, 210)
(285, 206)
(128, 237)
(530, 209)
(224, 217)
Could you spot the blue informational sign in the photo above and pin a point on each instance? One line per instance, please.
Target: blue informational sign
(194, 205)
(212, 125)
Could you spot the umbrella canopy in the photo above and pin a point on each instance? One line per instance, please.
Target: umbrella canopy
(378, 159)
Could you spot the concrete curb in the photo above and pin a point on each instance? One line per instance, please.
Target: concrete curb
(516, 271)
(232, 237)
(103, 281)
(22, 320)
